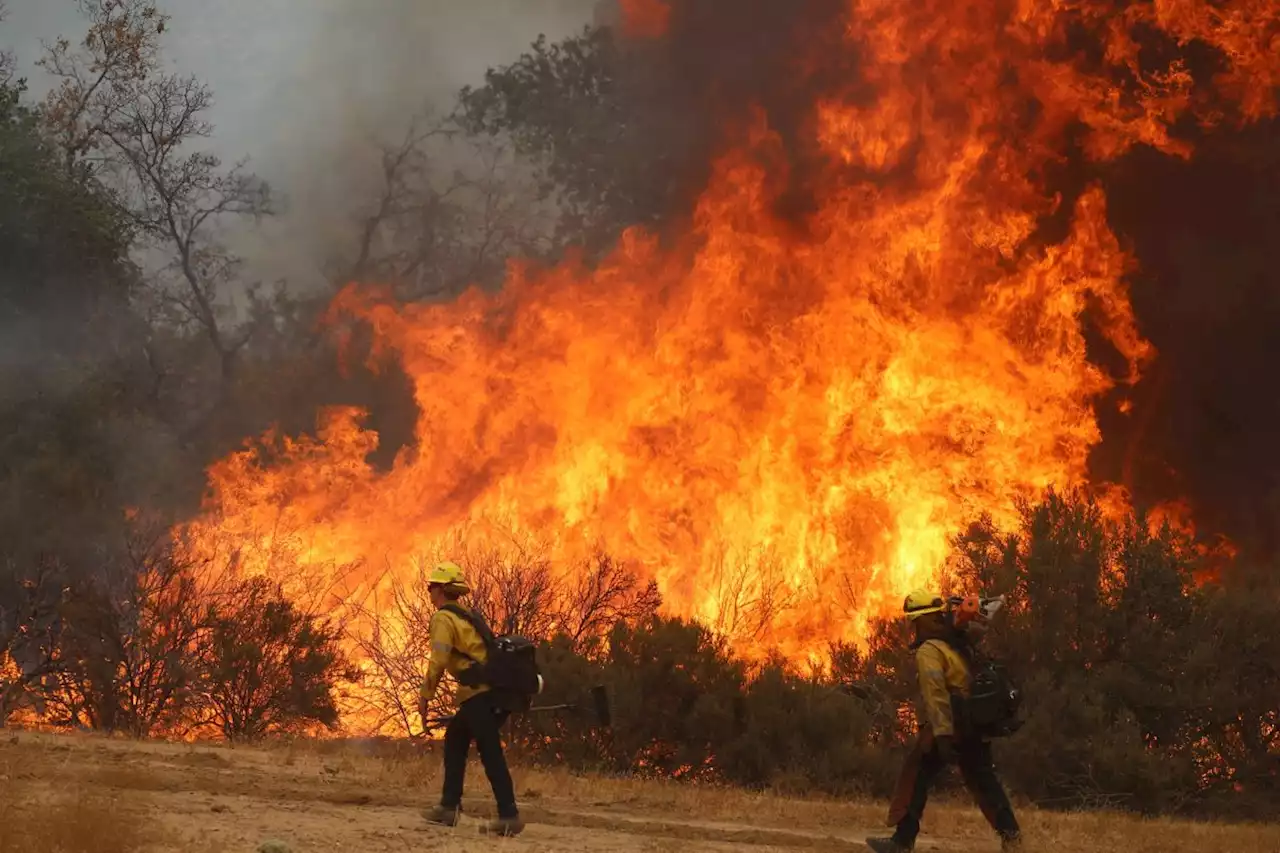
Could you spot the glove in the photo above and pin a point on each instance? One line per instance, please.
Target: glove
(946, 748)
(424, 711)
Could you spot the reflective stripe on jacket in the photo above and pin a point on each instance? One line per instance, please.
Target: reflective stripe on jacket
(942, 672)
(451, 634)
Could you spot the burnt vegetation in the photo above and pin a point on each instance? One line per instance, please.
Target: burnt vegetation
(134, 349)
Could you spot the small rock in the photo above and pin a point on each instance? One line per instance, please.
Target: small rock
(274, 846)
(218, 808)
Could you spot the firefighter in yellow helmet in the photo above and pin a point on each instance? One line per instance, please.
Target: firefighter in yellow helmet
(456, 645)
(943, 656)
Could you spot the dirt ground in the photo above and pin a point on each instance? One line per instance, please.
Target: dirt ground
(78, 793)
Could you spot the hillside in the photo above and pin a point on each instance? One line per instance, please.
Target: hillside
(77, 794)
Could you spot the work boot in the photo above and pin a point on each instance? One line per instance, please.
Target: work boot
(503, 826)
(443, 815)
(1011, 843)
(888, 845)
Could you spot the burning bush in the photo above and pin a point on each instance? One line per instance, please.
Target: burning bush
(517, 591)
(155, 642)
(1132, 684)
(1144, 692)
(129, 633)
(30, 629)
(265, 667)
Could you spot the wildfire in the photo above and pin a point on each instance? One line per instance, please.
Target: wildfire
(645, 18)
(782, 423)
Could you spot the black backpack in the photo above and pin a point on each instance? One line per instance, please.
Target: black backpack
(511, 668)
(991, 708)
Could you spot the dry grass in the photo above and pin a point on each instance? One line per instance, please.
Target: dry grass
(77, 794)
(79, 822)
(39, 817)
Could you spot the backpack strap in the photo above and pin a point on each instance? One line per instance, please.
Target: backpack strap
(963, 649)
(957, 643)
(475, 620)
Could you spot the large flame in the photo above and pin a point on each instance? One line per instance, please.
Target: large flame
(780, 423)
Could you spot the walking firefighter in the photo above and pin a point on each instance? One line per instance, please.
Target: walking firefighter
(494, 678)
(965, 700)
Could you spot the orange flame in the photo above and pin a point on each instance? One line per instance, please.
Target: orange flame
(784, 425)
(645, 19)
(1212, 554)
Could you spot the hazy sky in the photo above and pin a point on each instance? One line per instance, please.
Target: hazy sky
(298, 83)
(281, 68)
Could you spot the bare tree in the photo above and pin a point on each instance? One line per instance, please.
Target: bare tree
(118, 116)
(750, 590)
(404, 198)
(6, 56)
(30, 622)
(599, 594)
(127, 639)
(501, 217)
(513, 588)
(432, 230)
(394, 639)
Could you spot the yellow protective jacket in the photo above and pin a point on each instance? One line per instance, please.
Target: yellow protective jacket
(451, 634)
(943, 672)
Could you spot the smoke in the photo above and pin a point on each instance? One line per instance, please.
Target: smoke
(361, 73)
(723, 61)
(1206, 234)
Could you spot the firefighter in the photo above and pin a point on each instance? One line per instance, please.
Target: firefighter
(942, 661)
(455, 645)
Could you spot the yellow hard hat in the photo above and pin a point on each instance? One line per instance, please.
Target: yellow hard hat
(449, 574)
(921, 602)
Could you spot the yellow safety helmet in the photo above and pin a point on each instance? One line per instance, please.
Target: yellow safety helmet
(449, 574)
(921, 602)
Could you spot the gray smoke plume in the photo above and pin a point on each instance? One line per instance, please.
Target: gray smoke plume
(308, 88)
(356, 78)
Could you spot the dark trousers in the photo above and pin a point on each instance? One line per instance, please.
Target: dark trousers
(479, 719)
(923, 767)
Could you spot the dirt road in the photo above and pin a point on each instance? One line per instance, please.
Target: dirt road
(164, 798)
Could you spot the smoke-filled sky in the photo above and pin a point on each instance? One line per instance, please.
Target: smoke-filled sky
(288, 71)
(302, 86)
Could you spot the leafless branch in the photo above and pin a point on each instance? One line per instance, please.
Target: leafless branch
(515, 587)
(6, 56)
(126, 638)
(393, 638)
(430, 230)
(117, 116)
(750, 591)
(29, 631)
(512, 587)
(601, 593)
(404, 167)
